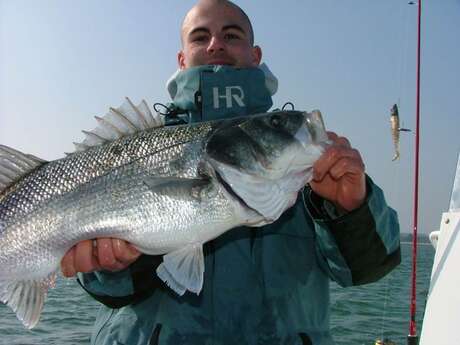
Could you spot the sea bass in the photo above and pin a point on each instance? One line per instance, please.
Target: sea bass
(394, 121)
(166, 190)
(396, 129)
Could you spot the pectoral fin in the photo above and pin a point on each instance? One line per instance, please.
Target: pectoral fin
(183, 269)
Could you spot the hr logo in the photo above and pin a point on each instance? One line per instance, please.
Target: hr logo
(232, 93)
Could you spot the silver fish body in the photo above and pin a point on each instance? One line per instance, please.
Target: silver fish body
(166, 190)
(395, 127)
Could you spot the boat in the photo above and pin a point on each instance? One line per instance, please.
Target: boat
(442, 311)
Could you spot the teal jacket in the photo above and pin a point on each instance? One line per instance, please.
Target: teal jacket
(264, 286)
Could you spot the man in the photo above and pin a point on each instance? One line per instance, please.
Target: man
(269, 286)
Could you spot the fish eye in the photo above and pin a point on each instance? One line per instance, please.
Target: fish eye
(277, 121)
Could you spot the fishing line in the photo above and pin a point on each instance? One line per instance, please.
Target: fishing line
(397, 191)
(401, 48)
(384, 310)
(404, 48)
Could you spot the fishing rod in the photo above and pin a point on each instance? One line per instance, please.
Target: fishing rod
(412, 338)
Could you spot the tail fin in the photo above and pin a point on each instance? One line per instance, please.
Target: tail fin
(26, 298)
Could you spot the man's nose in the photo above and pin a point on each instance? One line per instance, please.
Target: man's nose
(216, 44)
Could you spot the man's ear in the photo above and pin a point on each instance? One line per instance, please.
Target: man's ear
(256, 55)
(181, 60)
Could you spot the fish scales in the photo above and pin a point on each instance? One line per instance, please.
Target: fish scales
(156, 149)
(120, 204)
(63, 175)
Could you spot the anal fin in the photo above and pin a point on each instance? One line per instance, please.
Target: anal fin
(183, 269)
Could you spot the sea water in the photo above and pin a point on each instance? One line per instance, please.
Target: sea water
(359, 315)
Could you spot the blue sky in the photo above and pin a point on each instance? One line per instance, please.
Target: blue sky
(62, 62)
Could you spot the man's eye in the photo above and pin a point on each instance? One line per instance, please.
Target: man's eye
(231, 36)
(199, 39)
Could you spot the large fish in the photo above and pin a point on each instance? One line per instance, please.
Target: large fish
(166, 190)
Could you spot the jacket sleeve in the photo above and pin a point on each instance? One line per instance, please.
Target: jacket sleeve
(358, 247)
(129, 286)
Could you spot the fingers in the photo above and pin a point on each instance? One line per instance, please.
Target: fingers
(339, 174)
(79, 258)
(95, 255)
(344, 166)
(85, 261)
(339, 141)
(106, 256)
(114, 254)
(67, 264)
(332, 136)
(338, 159)
(124, 252)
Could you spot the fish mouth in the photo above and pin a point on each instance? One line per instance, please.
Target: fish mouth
(314, 125)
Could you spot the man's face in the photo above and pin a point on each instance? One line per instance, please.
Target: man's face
(217, 34)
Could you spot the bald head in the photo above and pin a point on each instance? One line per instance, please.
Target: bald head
(205, 5)
(217, 32)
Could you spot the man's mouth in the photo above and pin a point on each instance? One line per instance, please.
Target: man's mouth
(220, 62)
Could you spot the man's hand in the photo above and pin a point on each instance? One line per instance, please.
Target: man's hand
(338, 175)
(109, 254)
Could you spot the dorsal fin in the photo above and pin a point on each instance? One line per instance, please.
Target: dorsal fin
(119, 122)
(14, 165)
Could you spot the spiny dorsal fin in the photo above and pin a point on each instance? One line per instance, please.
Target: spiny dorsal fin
(119, 122)
(14, 165)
